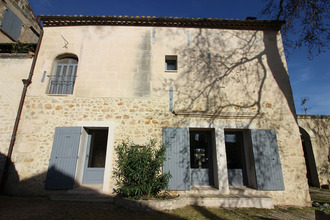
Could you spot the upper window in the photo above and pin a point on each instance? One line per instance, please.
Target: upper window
(63, 79)
(171, 62)
(11, 24)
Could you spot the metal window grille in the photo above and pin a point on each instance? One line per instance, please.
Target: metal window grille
(63, 80)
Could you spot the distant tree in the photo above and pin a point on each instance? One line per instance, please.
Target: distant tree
(307, 23)
(303, 104)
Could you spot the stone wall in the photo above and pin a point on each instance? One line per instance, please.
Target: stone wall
(138, 119)
(318, 129)
(226, 79)
(13, 68)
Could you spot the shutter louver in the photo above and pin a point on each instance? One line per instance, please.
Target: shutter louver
(63, 159)
(267, 160)
(177, 161)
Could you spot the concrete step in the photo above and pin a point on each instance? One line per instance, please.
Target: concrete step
(239, 197)
(231, 201)
(233, 190)
(81, 197)
(87, 189)
(203, 190)
(79, 191)
(242, 190)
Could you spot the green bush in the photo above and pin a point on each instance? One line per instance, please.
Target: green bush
(22, 48)
(138, 169)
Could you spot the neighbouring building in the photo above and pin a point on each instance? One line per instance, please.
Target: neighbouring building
(215, 91)
(19, 34)
(17, 22)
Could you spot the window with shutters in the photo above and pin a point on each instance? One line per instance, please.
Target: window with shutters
(11, 24)
(64, 77)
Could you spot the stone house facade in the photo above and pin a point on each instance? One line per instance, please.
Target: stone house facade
(216, 92)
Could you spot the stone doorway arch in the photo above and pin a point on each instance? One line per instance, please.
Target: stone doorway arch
(312, 175)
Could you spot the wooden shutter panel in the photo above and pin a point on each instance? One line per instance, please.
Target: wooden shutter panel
(177, 161)
(63, 79)
(11, 24)
(63, 159)
(267, 160)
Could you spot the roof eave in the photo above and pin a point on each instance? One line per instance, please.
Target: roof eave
(75, 20)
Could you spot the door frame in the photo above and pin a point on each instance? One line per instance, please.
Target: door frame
(244, 151)
(211, 157)
(107, 180)
(219, 153)
(88, 171)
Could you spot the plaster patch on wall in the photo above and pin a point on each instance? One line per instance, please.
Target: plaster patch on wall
(141, 79)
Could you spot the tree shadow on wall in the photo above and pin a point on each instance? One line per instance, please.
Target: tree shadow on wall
(236, 75)
(230, 74)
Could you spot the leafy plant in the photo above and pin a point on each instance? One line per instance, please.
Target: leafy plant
(138, 169)
(322, 207)
(22, 48)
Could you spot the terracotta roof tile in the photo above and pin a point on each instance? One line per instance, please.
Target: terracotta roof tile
(73, 20)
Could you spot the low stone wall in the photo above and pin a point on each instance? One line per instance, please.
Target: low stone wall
(185, 199)
(318, 129)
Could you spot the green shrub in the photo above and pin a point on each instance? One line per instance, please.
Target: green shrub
(22, 48)
(138, 169)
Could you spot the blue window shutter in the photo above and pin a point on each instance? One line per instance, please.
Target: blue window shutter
(267, 160)
(63, 79)
(63, 159)
(177, 161)
(11, 24)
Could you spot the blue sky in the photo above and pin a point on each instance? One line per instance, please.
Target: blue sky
(308, 78)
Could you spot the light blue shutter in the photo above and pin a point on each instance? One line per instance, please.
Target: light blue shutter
(63, 80)
(11, 24)
(71, 75)
(63, 159)
(177, 161)
(267, 160)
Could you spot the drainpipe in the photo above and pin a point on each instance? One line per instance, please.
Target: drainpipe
(26, 83)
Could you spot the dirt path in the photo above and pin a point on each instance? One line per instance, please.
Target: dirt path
(43, 208)
(315, 192)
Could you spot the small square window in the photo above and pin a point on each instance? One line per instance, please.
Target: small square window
(171, 63)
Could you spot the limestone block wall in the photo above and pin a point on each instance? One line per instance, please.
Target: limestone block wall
(318, 128)
(139, 119)
(228, 79)
(13, 68)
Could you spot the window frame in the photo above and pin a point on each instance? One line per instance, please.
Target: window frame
(63, 79)
(171, 58)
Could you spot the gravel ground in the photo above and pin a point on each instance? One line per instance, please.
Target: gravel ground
(43, 208)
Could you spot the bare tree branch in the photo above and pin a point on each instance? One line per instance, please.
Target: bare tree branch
(307, 23)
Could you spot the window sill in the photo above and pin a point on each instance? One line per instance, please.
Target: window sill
(58, 94)
(171, 71)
